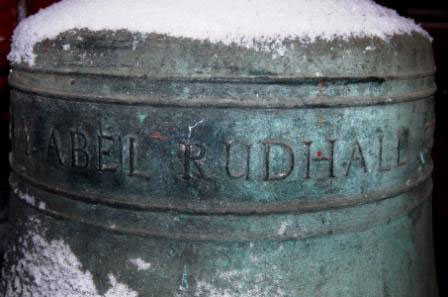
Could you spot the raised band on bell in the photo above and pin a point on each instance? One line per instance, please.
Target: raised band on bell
(220, 148)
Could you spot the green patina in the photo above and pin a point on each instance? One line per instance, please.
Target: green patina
(231, 171)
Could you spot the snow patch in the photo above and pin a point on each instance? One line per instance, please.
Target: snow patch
(244, 283)
(140, 264)
(41, 205)
(260, 25)
(262, 290)
(50, 268)
(30, 199)
(117, 289)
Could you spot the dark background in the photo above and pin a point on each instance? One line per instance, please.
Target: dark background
(431, 14)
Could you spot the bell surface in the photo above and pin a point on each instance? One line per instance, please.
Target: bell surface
(153, 165)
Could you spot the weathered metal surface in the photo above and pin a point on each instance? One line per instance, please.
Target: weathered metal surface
(4, 188)
(226, 171)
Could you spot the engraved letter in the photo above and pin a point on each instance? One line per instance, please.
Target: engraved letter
(357, 155)
(330, 159)
(105, 144)
(246, 171)
(381, 166)
(267, 159)
(23, 134)
(80, 156)
(53, 146)
(320, 157)
(308, 158)
(402, 147)
(132, 161)
(189, 157)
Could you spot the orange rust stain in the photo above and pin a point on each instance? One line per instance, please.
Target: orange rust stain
(158, 136)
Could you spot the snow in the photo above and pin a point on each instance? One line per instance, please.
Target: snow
(50, 268)
(25, 197)
(140, 264)
(244, 283)
(30, 199)
(256, 24)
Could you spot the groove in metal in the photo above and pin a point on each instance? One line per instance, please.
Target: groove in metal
(300, 206)
(229, 103)
(355, 222)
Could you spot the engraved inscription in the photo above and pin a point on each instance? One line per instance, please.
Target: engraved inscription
(21, 135)
(286, 169)
(245, 171)
(402, 146)
(53, 147)
(320, 157)
(142, 154)
(133, 163)
(106, 159)
(80, 154)
(357, 157)
(193, 154)
(381, 161)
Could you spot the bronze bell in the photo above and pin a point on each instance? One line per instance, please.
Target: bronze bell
(150, 164)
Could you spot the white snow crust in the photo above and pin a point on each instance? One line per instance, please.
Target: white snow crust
(140, 264)
(258, 24)
(50, 268)
(238, 278)
(30, 199)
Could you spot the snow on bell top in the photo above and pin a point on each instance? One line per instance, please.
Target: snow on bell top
(246, 23)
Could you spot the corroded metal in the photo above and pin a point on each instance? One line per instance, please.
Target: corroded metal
(227, 171)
